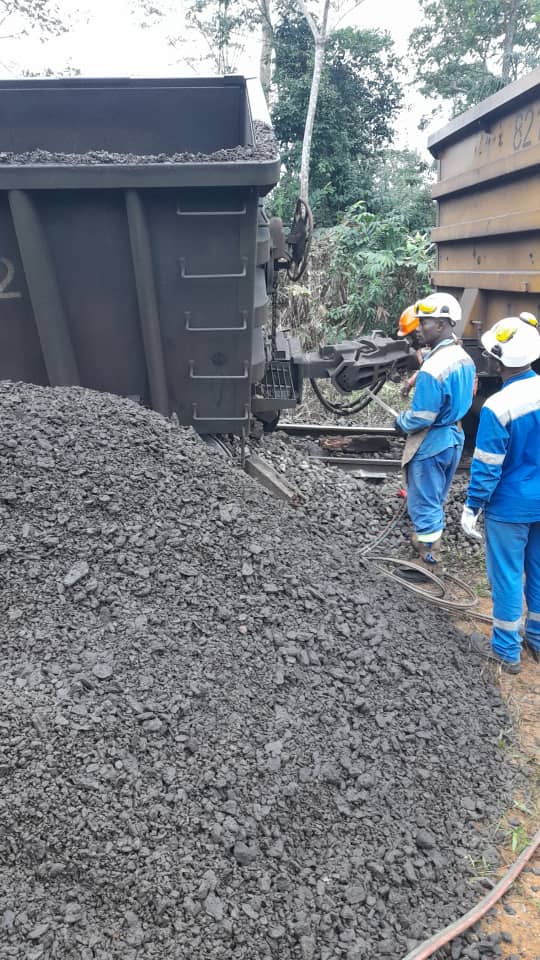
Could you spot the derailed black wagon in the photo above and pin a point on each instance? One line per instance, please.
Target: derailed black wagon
(133, 246)
(136, 256)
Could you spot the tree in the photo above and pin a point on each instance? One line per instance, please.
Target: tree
(401, 182)
(21, 17)
(320, 37)
(321, 29)
(378, 268)
(267, 44)
(359, 97)
(464, 51)
(222, 25)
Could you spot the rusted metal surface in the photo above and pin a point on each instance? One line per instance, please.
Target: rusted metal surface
(363, 444)
(488, 198)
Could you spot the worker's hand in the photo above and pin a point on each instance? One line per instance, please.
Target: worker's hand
(406, 389)
(409, 384)
(469, 519)
(399, 429)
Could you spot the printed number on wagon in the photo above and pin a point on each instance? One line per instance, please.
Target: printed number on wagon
(7, 279)
(522, 129)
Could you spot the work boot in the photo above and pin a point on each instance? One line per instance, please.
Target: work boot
(533, 652)
(430, 553)
(420, 557)
(481, 645)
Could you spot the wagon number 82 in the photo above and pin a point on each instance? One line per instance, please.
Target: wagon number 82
(522, 129)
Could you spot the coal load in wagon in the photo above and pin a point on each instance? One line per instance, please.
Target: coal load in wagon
(263, 148)
(219, 736)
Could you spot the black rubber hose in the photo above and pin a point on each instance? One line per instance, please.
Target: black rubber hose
(339, 409)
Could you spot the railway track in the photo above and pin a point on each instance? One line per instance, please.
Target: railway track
(375, 439)
(334, 430)
(373, 468)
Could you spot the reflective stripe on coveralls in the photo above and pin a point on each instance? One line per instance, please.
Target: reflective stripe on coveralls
(443, 394)
(494, 459)
(508, 624)
(505, 469)
(428, 484)
(532, 623)
(512, 548)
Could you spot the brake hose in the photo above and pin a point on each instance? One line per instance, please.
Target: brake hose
(453, 930)
(342, 410)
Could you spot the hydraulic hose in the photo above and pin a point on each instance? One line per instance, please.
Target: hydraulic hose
(453, 930)
(388, 529)
(342, 410)
(465, 606)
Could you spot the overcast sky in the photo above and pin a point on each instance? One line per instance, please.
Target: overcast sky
(105, 39)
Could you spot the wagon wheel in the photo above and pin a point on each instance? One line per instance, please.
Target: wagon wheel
(299, 239)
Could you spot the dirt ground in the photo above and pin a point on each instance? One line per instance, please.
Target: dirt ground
(519, 913)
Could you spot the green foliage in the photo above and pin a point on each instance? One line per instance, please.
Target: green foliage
(464, 51)
(381, 268)
(519, 840)
(401, 181)
(359, 98)
(282, 201)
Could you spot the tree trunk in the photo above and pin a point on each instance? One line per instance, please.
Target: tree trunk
(508, 44)
(320, 45)
(267, 47)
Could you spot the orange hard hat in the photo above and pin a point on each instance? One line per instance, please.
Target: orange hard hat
(408, 321)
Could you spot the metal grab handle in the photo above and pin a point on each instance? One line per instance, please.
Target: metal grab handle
(242, 327)
(217, 376)
(198, 419)
(212, 276)
(211, 213)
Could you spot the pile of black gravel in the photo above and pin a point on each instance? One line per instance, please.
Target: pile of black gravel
(263, 149)
(346, 496)
(220, 736)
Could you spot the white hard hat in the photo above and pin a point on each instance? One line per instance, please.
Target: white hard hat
(514, 343)
(440, 306)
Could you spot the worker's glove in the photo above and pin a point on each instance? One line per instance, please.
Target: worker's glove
(469, 519)
(399, 429)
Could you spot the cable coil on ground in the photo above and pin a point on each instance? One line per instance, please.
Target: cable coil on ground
(442, 599)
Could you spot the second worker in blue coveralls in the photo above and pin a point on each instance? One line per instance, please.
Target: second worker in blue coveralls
(505, 484)
(443, 394)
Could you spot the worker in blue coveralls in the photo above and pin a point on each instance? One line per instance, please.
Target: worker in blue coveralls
(443, 393)
(505, 484)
